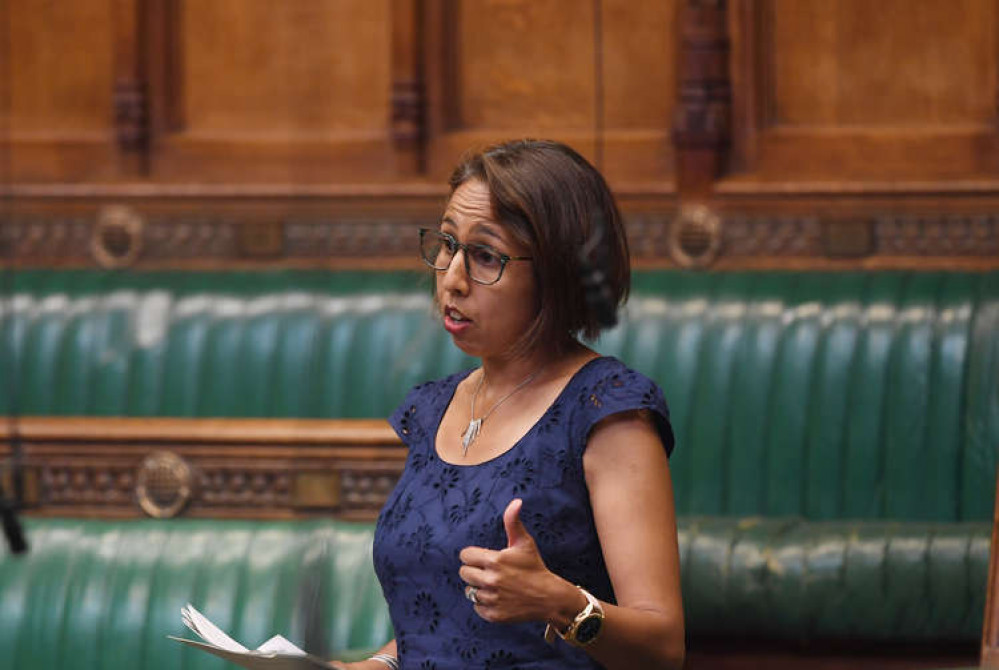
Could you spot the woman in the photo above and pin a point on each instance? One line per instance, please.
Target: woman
(533, 526)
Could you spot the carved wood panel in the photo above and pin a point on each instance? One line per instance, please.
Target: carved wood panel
(58, 72)
(597, 74)
(865, 92)
(259, 468)
(286, 92)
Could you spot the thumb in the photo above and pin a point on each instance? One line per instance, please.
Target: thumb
(516, 534)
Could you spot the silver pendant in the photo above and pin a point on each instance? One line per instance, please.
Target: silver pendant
(470, 434)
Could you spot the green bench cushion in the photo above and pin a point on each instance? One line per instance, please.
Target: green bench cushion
(102, 595)
(856, 581)
(105, 594)
(821, 395)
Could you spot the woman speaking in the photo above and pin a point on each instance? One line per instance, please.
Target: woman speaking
(533, 526)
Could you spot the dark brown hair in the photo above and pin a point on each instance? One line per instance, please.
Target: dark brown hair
(555, 203)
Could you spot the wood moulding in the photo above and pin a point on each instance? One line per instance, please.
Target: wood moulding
(239, 468)
(658, 237)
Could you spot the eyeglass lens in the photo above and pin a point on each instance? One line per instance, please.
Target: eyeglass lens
(483, 264)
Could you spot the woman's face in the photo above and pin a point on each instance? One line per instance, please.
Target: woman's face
(484, 321)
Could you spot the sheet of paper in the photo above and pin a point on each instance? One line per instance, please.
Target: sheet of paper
(208, 631)
(254, 660)
(279, 644)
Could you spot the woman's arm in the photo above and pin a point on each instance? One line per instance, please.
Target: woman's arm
(631, 493)
(369, 664)
(627, 473)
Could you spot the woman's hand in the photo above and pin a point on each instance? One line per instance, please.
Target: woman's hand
(513, 584)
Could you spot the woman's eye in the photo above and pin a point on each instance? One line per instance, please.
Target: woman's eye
(485, 257)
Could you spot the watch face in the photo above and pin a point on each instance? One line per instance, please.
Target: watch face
(588, 629)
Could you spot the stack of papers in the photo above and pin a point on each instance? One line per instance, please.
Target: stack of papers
(277, 653)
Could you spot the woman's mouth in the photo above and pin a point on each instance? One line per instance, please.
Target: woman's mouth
(455, 321)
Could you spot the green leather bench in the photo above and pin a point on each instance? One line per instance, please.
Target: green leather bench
(837, 432)
(105, 594)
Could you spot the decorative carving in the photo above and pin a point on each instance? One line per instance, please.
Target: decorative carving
(91, 484)
(116, 240)
(366, 489)
(407, 111)
(764, 236)
(244, 486)
(954, 235)
(848, 239)
(131, 115)
(695, 237)
(120, 237)
(162, 485)
(260, 240)
(702, 113)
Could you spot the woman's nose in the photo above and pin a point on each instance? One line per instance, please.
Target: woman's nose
(456, 276)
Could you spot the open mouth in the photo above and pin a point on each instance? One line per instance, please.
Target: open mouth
(456, 316)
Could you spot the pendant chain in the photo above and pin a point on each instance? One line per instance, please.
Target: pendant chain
(475, 425)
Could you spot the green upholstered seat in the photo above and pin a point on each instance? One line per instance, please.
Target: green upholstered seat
(103, 595)
(824, 395)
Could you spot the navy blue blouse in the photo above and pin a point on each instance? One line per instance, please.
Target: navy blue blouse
(438, 508)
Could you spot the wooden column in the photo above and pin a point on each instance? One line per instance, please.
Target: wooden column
(131, 90)
(408, 87)
(702, 118)
(164, 64)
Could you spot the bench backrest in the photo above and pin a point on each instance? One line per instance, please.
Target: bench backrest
(95, 595)
(825, 395)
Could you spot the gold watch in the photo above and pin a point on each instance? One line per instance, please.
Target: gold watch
(585, 628)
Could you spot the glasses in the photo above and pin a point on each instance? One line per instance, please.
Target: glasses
(483, 264)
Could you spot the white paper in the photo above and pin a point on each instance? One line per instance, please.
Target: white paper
(277, 653)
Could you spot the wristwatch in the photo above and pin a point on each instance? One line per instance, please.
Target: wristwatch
(585, 628)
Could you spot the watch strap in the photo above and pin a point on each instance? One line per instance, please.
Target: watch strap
(569, 635)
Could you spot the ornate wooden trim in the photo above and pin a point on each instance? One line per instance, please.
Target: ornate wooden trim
(409, 131)
(219, 240)
(701, 125)
(164, 55)
(130, 95)
(266, 468)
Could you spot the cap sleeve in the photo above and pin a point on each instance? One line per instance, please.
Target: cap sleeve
(613, 388)
(406, 417)
(421, 410)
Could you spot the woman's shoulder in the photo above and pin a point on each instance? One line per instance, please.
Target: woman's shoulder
(607, 386)
(610, 372)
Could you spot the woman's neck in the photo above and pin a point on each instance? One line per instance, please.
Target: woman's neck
(506, 372)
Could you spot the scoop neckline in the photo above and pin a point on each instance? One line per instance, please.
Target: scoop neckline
(515, 446)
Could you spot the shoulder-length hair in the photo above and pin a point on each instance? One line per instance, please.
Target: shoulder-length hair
(559, 206)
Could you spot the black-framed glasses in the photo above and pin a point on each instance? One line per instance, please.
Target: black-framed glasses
(483, 264)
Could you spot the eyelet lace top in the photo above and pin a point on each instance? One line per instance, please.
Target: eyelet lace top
(438, 508)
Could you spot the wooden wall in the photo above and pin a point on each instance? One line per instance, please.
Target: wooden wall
(736, 133)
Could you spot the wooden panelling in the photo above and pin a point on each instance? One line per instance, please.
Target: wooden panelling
(638, 79)
(598, 75)
(860, 91)
(60, 66)
(283, 92)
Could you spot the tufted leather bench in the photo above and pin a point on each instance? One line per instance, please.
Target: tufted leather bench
(837, 432)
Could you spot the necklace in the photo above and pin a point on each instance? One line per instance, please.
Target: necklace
(475, 425)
